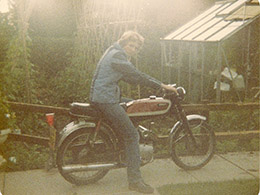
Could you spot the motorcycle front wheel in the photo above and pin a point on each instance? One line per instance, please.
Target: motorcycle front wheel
(189, 155)
(82, 154)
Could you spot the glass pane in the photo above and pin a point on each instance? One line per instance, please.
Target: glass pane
(236, 5)
(192, 22)
(203, 29)
(212, 31)
(224, 32)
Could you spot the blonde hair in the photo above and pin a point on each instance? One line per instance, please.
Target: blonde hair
(131, 36)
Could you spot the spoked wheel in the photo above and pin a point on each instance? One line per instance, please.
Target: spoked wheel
(84, 158)
(189, 155)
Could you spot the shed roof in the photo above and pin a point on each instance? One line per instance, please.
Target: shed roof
(218, 22)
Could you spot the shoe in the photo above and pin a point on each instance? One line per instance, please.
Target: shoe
(141, 187)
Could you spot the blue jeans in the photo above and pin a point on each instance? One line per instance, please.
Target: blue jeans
(120, 121)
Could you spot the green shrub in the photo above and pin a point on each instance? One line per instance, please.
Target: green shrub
(7, 118)
(22, 156)
(237, 120)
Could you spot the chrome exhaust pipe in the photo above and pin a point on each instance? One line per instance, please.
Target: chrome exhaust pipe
(96, 167)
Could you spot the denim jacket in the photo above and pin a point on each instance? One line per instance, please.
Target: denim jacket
(113, 67)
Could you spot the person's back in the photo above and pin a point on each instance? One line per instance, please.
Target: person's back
(104, 88)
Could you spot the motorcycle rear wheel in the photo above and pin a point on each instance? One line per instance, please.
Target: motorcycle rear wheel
(80, 148)
(187, 155)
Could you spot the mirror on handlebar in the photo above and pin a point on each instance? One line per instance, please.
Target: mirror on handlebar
(181, 92)
(173, 85)
(168, 92)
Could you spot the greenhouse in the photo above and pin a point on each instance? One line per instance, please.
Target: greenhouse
(215, 53)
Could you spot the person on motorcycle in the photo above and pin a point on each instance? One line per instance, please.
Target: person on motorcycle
(114, 66)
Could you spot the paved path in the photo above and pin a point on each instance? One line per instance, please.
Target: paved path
(162, 171)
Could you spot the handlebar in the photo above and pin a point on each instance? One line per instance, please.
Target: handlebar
(181, 93)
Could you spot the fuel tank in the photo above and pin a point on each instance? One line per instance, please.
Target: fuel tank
(151, 106)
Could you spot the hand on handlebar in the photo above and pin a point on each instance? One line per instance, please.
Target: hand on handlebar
(169, 88)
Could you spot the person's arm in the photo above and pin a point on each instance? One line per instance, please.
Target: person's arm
(131, 74)
(134, 76)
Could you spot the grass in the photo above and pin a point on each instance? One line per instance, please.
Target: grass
(237, 145)
(238, 187)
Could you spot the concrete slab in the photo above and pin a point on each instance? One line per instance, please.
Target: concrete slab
(2, 182)
(164, 171)
(35, 182)
(38, 182)
(218, 169)
(158, 173)
(249, 161)
(3, 163)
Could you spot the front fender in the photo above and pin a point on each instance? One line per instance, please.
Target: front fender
(72, 127)
(189, 118)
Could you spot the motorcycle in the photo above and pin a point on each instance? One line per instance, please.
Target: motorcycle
(88, 147)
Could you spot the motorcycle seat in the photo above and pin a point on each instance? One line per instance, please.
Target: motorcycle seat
(83, 109)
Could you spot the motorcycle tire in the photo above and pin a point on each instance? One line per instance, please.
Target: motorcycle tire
(187, 155)
(80, 149)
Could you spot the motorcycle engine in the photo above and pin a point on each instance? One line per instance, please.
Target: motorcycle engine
(146, 153)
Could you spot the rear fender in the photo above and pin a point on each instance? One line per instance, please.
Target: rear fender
(72, 127)
(89, 126)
